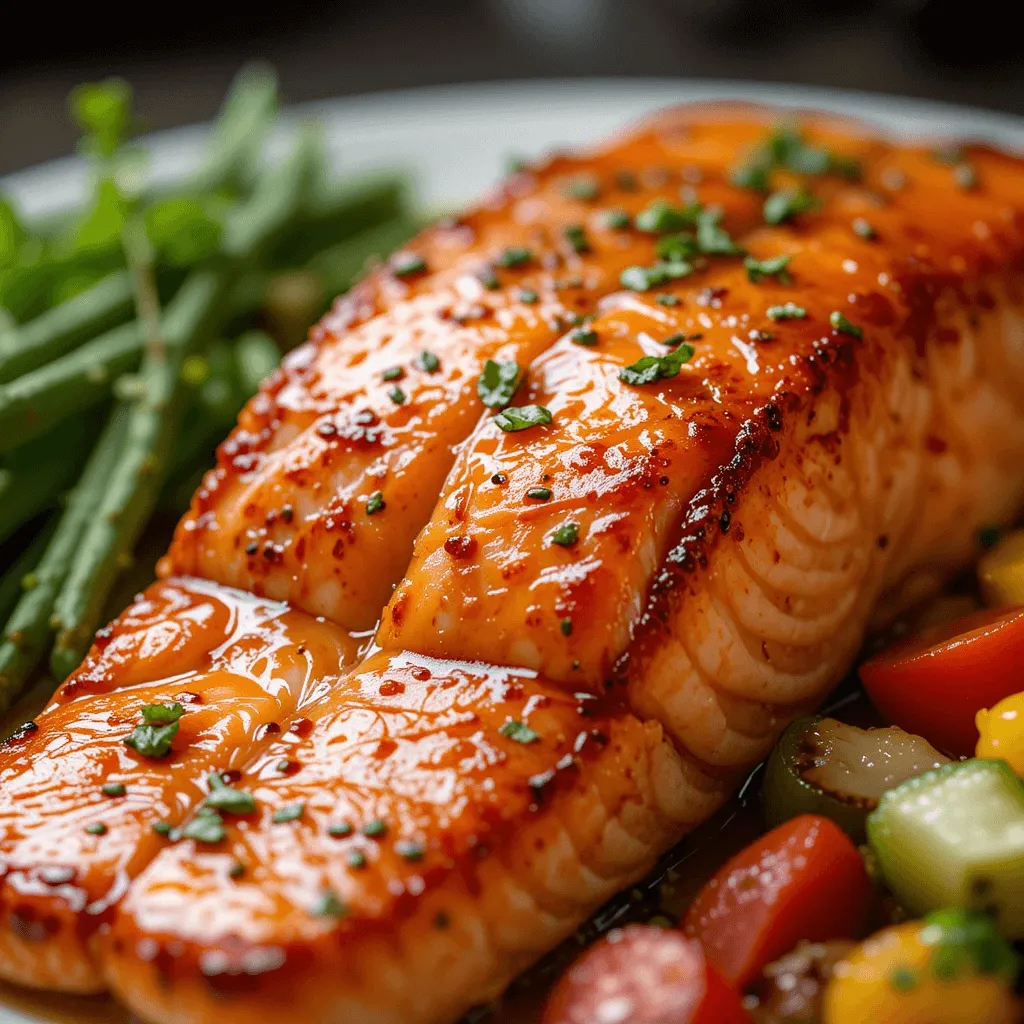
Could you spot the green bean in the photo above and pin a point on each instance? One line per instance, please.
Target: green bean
(29, 628)
(59, 330)
(13, 578)
(34, 403)
(32, 477)
(134, 486)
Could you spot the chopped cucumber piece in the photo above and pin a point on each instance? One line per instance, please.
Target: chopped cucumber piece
(955, 837)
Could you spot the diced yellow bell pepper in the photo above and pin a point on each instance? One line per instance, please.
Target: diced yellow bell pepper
(1001, 732)
(904, 975)
(1001, 572)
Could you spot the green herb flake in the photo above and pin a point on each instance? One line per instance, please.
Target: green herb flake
(406, 264)
(522, 417)
(410, 850)
(236, 870)
(499, 382)
(290, 812)
(650, 369)
(328, 904)
(844, 326)
(375, 829)
(514, 256)
(787, 311)
(159, 727)
(583, 187)
(667, 300)
(712, 238)
(775, 266)
(489, 279)
(392, 373)
(862, 228)
(114, 789)
(755, 175)
(539, 493)
(566, 535)
(585, 336)
(223, 797)
(428, 362)
(375, 503)
(161, 828)
(677, 248)
(784, 205)
(966, 943)
(96, 828)
(340, 829)
(356, 859)
(528, 296)
(397, 395)
(616, 220)
(520, 732)
(206, 827)
(903, 979)
(643, 279)
(661, 216)
(566, 626)
(576, 236)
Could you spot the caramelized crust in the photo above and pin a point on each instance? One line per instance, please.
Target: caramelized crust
(733, 527)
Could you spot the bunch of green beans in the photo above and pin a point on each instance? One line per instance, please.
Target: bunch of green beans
(126, 356)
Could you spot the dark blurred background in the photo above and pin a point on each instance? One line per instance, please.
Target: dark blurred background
(180, 56)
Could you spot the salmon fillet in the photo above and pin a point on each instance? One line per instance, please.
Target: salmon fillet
(599, 625)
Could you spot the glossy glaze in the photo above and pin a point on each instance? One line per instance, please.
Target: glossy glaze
(238, 665)
(736, 524)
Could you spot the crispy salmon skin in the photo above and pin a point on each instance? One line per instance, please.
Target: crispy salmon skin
(616, 469)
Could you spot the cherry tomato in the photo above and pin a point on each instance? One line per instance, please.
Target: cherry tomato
(936, 683)
(644, 975)
(804, 880)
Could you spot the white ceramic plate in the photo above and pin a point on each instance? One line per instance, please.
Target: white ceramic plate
(456, 141)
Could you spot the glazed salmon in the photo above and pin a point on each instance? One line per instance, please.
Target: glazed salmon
(771, 386)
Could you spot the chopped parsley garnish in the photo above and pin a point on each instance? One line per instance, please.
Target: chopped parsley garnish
(397, 395)
(340, 829)
(290, 812)
(356, 859)
(519, 731)
(375, 503)
(862, 229)
(775, 266)
(755, 175)
(576, 236)
(566, 535)
(654, 368)
(788, 311)
(393, 373)
(712, 238)
(428, 362)
(226, 798)
(161, 828)
(616, 220)
(159, 727)
(522, 417)
(566, 626)
(328, 904)
(667, 300)
(374, 829)
(660, 217)
(488, 278)
(539, 493)
(677, 248)
(499, 382)
(785, 204)
(409, 850)
(843, 326)
(405, 264)
(585, 336)
(643, 279)
(114, 789)
(236, 870)
(903, 979)
(582, 187)
(514, 256)
(97, 828)
(528, 295)
(206, 827)
(786, 148)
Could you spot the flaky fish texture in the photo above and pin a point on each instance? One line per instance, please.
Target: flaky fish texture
(769, 384)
